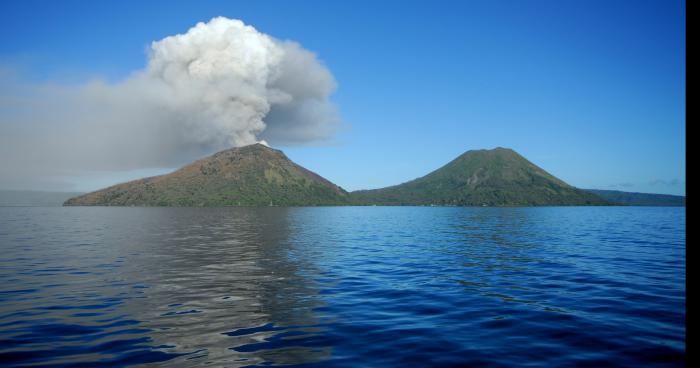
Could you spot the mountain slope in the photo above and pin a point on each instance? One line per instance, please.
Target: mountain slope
(639, 199)
(254, 175)
(497, 177)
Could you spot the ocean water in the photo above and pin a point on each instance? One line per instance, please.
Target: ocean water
(342, 286)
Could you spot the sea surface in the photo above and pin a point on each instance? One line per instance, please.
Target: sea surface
(342, 286)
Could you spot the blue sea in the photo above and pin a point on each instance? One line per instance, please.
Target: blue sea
(343, 286)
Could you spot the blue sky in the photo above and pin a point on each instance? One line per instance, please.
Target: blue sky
(591, 91)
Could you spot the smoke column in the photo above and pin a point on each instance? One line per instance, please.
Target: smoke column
(220, 84)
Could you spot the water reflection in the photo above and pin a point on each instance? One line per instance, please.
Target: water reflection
(174, 285)
(214, 274)
(342, 286)
(498, 251)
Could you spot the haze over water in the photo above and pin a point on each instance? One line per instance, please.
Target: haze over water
(343, 286)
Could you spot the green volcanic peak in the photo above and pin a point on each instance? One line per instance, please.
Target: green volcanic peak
(497, 177)
(254, 175)
(258, 175)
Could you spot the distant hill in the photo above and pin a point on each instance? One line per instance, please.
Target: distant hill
(18, 198)
(254, 175)
(639, 199)
(497, 177)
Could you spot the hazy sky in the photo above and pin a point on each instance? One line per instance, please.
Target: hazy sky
(367, 94)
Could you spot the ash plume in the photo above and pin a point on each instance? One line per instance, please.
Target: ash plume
(221, 84)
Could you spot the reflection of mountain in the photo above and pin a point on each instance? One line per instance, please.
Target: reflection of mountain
(220, 282)
(499, 247)
(387, 286)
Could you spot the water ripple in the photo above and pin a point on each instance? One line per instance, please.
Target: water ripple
(342, 287)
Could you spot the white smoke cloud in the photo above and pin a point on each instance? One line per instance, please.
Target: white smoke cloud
(221, 84)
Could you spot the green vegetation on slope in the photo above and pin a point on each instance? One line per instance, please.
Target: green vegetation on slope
(498, 177)
(253, 175)
(257, 175)
(639, 199)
